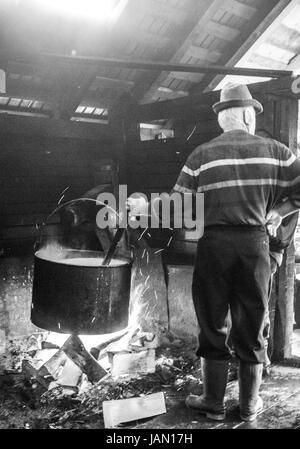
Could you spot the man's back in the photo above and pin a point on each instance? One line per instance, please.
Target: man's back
(242, 176)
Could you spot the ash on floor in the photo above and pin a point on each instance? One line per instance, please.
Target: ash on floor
(24, 403)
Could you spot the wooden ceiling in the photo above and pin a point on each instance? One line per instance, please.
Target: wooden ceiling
(277, 48)
(198, 32)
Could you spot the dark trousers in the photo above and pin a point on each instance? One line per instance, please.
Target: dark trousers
(232, 271)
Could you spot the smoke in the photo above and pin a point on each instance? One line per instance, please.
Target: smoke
(52, 252)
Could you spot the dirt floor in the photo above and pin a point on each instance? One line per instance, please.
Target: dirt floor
(280, 393)
(25, 404)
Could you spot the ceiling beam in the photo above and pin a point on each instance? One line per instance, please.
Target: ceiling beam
(79, 61)
(119, 84)
(15, 124)
(201, 103)
(26, 111)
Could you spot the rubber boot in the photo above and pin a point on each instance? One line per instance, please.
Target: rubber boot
(214, 377)
(250, 377)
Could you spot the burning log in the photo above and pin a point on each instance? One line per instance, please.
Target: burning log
(95, 351)
(52, 368)
(75, 349)
(69, 376)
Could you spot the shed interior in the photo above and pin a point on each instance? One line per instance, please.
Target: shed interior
(88, 104)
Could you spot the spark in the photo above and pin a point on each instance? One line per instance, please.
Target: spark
(192, 133)
(159, 251)
(93, 320)
(64, 191)
(142, 234)
(60, 200)
(170, 241)
(143, 253)
(58, 325)
(145, 291)
(147, 279)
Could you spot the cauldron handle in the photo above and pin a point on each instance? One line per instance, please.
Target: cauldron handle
(61, 206)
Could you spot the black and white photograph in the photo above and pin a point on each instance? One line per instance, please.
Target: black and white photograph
(149, 218)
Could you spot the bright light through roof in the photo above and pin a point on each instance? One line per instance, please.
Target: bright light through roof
(100, 10)
(293, 19)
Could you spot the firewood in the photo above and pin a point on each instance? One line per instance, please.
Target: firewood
(76, 351)
(95, 352)
(134, 364)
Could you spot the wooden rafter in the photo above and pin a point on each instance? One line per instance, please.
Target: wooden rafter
(80, 61)
(181, 44)
(201, 103)
(245, 42)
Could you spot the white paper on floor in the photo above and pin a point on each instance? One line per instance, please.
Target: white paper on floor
(127, 410)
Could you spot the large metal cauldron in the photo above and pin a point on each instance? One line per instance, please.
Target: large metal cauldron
(74, 294)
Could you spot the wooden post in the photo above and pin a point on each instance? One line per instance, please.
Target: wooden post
(123, 129)
(286, 127)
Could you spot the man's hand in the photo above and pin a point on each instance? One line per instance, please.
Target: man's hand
(138, 206)
(273, 221)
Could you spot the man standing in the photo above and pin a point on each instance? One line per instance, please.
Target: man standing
(243, 177)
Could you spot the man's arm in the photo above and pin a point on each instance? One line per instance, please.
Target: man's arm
(276, 215)
(287, 188)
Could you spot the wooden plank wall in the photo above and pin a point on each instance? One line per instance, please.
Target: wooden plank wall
(34, 172)
(154, 166)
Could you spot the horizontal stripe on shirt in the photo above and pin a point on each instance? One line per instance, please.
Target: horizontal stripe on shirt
(236, 162)
(181, 189)
(248, 182)
(235, 142)
(242, 176)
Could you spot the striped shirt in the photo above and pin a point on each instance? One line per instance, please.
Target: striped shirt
(242, 177)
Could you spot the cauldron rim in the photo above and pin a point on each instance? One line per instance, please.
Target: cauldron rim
(126, 261)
